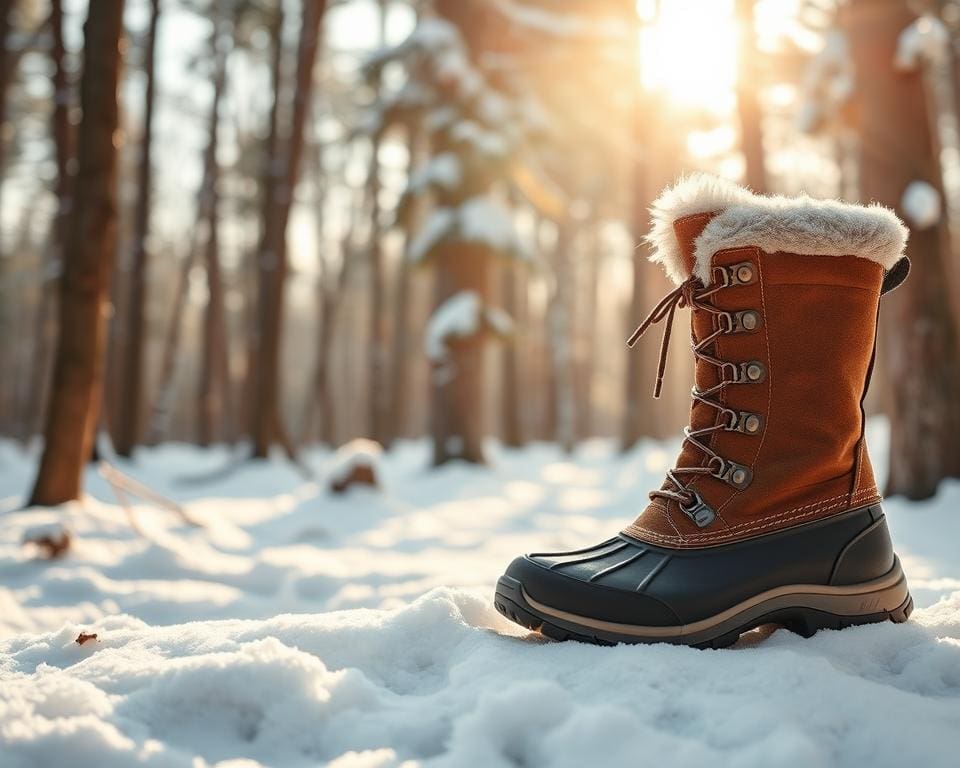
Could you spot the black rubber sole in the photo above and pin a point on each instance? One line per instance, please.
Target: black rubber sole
(510, 600)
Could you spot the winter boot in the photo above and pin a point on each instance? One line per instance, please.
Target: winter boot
(771, 514)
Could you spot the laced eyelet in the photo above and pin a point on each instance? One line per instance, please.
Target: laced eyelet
(698, 511)
(731, 473)
(732, 419)
(694, 294)
(751, 372)
(727, 322)
(747, 422)
(723, 274)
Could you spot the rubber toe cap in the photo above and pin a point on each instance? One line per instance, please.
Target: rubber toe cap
(547, 584)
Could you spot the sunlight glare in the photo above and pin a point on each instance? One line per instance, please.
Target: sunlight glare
(690, 53)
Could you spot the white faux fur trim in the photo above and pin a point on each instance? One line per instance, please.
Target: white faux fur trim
(799, 225)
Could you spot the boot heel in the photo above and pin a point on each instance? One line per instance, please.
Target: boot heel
(808, 621)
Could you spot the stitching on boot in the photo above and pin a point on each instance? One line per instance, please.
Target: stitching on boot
(824, 505)
(666, 514)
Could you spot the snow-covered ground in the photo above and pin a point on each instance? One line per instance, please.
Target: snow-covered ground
(301, 628)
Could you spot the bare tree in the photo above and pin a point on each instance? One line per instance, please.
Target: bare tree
(267, 425)
(78, 369)
(128, 426)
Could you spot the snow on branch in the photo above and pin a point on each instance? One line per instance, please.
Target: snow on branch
(463, 316)
(442, 171)
(479, 220)
(925, 41)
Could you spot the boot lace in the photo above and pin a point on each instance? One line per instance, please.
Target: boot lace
(693, 294)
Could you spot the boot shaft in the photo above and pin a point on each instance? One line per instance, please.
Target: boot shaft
(785, 345)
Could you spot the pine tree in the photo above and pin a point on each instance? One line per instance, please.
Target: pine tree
(475, 126)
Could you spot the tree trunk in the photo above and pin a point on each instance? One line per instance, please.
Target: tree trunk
(637, 417)
(748, 104)
(78, 370)
(6, 75)
(128, 428)
(163, 400)
(400, 355)
(63, 141)
(259, 269)
(559, 318)
(267, 427)
(379, 404)
(919, 330)
(586, 332)
(511, 385)
(458, 414)
(215, 400)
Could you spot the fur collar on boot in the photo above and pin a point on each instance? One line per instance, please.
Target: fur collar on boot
(799, 225)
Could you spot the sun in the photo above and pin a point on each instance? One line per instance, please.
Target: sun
(688, 51)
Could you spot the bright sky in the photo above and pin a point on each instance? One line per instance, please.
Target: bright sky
(689, 47)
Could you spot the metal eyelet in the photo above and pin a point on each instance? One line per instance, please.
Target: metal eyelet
(727, 322)
(743, 273)
(745, 422)
(698, 511)
(751, 372)
(732, 473)
(754, 371)
(746, 321)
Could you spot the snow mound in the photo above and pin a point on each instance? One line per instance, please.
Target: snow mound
(357, 457)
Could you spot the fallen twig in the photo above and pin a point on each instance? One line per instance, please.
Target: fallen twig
(123, 484)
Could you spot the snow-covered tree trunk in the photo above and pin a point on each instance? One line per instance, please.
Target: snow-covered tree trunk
(458, 385)
(78, 369)
(919, 332)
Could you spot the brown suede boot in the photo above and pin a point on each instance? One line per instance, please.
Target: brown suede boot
(771, 514)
